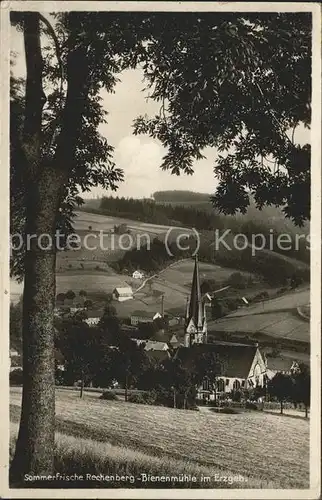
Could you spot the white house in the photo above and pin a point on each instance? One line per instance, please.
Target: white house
(138, 275)
(93, 316)
(123, 293)
(92, 321)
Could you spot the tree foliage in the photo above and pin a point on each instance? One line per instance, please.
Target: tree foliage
(281, 387)
(240, 84)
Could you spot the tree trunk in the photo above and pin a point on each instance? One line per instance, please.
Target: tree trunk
(174, 399)
(306, 411)
(35, 444)
(126, 384)
(44, 185)
(281, 407)
(82, 385)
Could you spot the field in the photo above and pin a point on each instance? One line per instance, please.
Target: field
(281, 317)
(269, 451)
(90, 270)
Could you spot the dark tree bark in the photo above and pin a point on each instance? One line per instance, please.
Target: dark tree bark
(82, 386)
(126, 388)
(281, 406)
(34, 453)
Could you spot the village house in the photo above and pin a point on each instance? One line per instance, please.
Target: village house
(155, 345)
(15, 360)
(138, 275)
(278, 364)
(122, 293)
(143, 317)
(93, 316)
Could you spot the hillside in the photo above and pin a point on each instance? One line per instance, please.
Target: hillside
(269, 451)
(268, 214)
(280, 317)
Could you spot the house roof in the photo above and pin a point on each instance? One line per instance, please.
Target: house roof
(94, 313)
(235, 359)
(279, 364)
(156, 346)
(123, 290)
(146, 314)
(158, 356)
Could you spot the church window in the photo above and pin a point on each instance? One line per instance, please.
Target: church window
(236, 385)
(205, 384)
(221, 385)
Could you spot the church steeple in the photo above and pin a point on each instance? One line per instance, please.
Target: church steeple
(196, 325)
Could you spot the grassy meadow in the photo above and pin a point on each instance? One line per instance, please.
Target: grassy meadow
(114, 437)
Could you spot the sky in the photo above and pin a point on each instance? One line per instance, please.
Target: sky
(138, 156)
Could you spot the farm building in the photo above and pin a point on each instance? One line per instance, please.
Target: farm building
(123, 293)
(138, 275)
(143, 317)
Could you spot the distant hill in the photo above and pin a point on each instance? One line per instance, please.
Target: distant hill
(180, 196)
(271, 215)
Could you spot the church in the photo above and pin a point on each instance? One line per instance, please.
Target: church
(242, 366)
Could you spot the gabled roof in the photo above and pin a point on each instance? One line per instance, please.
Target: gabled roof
(123, 290)
(155, 346)
(143, 314)
(158, 356)
(235, 359)
(279, 364)
(94, 313)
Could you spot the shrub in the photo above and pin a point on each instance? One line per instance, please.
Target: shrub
(16, 377)
(136, 398)
(250, 406)
(70, 295)
(225, 409)
(147, 398)
(109, 396)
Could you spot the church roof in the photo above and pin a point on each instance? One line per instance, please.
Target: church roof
(235, 359)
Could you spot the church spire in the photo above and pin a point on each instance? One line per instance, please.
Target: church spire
(195, 306)
(195, 318)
